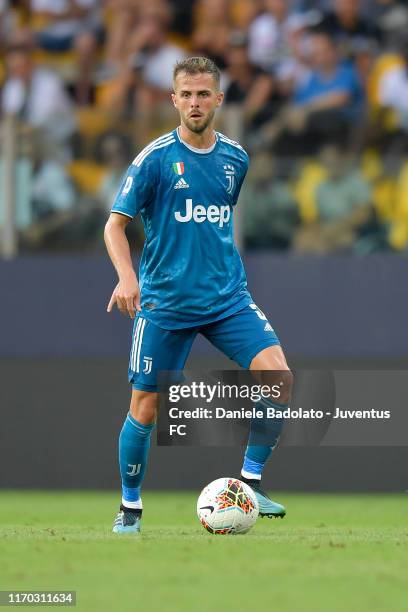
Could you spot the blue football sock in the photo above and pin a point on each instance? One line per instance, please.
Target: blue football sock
(134, 445)
(263, 437)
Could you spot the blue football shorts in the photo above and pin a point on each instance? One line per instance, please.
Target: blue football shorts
(241, 336)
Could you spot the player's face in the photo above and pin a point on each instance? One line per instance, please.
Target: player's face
(196, 97)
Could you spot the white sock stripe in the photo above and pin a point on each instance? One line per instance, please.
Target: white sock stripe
(152, 144)
(140, 340)
(166, 144)
(133, 351)
(250, 476)
(133, 505)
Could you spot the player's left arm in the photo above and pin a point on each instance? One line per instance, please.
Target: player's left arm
(241, 177)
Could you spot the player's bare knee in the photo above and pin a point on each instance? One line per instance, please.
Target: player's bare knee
(143, 406)
(286, 386)
(280, 381)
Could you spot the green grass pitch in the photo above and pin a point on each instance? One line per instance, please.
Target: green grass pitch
(331, 553)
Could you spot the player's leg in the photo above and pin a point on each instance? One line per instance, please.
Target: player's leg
(270, 369)
(134, 446)
(153, 350)
(248, 338)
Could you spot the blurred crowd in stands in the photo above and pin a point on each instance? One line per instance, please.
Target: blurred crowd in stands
(317, 91)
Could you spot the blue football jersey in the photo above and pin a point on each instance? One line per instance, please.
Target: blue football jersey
(190, 271)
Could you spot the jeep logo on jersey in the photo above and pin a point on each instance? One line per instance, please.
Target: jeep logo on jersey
(199, 214)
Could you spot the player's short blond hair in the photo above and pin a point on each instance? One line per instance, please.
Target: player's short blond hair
(197, 65)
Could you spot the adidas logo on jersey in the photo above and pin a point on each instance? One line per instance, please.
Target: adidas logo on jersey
(181, 184)
(268, 327)
(199, 214)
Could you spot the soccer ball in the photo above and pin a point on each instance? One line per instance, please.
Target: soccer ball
(227, 506)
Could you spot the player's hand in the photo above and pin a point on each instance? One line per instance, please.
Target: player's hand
(126, 296)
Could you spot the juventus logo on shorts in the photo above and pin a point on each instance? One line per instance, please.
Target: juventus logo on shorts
(148, 365)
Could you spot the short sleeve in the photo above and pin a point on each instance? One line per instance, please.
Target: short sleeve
(240, 179)
(137, 188)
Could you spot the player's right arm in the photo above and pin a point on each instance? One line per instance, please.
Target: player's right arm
(135, 193)
(126, 294)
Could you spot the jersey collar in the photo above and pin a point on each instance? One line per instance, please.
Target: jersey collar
(194, 149)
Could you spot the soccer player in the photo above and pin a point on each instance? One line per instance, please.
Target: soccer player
(185, 186)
